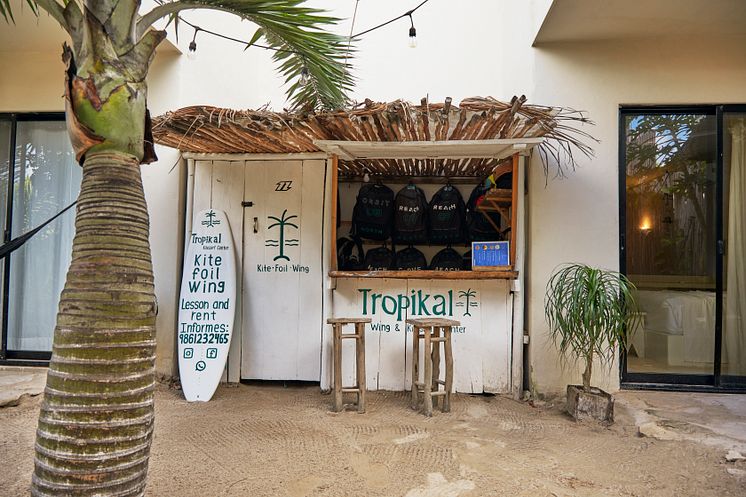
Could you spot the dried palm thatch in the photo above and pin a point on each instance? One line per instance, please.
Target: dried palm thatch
(204, 129)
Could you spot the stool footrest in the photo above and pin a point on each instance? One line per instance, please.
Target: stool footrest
(349, 335)
(421, 386)
(351, 390)
(438, 392)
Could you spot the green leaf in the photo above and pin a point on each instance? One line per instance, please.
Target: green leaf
(590, 311)
(257, 34)
(299, 36)
(7, 12)
(174, 18)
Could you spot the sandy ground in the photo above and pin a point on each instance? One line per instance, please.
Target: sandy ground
(266, 440)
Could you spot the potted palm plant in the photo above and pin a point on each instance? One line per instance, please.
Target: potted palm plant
(589, 311)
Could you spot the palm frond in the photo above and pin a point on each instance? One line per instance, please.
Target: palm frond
(7, 12)
(298, 36)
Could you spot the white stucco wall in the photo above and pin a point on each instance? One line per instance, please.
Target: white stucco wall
(577, 218)
(33, 70)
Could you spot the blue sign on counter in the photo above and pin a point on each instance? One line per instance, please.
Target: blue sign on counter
(490, 254)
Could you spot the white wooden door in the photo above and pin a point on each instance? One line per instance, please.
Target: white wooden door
(283, 279)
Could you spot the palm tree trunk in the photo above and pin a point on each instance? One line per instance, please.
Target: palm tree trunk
(96, 420)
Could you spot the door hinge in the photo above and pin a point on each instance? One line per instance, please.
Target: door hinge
(721, 247)
(247, 203)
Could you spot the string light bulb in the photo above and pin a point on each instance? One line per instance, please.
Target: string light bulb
(305, 77)
(192, 53)
(366, 177)
(412, 34)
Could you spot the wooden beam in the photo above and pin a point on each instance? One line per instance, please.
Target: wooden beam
(259, 157)
(428, 149)
(425, 180)
(339, 150)
(514, 210)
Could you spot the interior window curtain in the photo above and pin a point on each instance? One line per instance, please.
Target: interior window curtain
(47, 179)
(4, 170)
(735, 294)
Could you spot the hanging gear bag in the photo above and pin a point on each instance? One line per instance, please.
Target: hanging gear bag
(447, 260)
(480, 229)
(348, 258)
(447, 216)
(410, 216)
(466, 264)
(410, 259)
(379, 259)
(373, 214)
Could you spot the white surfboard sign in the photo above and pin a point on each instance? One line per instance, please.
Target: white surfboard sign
(207, 305)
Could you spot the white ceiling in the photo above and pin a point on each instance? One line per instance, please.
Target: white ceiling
(589, 20)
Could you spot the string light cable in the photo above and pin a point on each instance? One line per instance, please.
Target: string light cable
(193, 44)
(352, 28)
(305, 76)
(412, 30)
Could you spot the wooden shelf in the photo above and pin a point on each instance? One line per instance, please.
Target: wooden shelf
(503, 201)
(498, 196)
(428, 275)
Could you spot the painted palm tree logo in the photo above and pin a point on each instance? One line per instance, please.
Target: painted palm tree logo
(468, 295)
(282, 223)
(210, 220)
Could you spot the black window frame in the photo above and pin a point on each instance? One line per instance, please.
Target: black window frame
(17, 357)
(715, 382)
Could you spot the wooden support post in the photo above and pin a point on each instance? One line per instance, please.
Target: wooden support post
(428, 399)
(415, 364)
(514, 209)
(335, 196)
(449, 369)
(338, 405)
(435, 354)
(360, 355)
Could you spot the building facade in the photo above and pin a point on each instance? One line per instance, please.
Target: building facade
(624, 63)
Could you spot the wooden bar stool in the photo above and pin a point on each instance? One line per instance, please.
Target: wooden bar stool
(359, 336)
(434, 331)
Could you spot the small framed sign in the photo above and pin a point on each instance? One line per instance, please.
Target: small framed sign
(487, 256)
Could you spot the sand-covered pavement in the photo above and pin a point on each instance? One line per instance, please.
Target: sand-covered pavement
(267, 440)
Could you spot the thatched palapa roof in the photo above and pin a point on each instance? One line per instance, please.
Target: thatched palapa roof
(203, 129)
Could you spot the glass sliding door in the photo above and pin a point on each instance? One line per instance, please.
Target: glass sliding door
(733, 354)
(670, 215)
(5, 146)
(40, 178)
